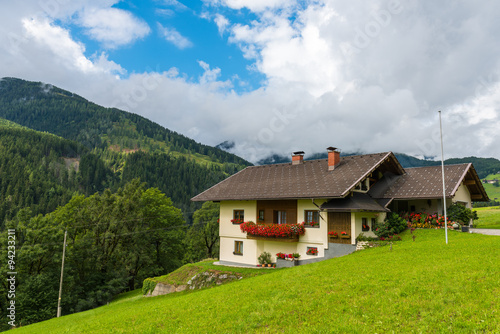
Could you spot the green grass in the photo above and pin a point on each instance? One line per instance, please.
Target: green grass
(184, 273)
(489, 217)
(423, 286)
(492, 191)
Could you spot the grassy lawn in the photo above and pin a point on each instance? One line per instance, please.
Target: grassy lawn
(419, 286)
(489, 217)
(492, 191)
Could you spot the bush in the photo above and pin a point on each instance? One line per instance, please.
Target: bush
(459, 213)
(393, 224)
(363, 237)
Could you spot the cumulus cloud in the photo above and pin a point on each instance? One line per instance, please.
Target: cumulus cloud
(173, 36)
(362, 77)
(176, 4)
(222, 23)
(58, 42)
(253, 5)
(113, 27)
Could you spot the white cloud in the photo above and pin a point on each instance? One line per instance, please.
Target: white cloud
(222, 23)
(113, 27)
(60, 44)
(176, 4)
(173, 36)
(253, 5)
(336, 73)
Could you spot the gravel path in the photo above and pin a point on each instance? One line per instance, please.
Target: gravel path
(485, 231)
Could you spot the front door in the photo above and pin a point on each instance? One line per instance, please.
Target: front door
(340, 222)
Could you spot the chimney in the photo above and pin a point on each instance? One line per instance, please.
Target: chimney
(297, 158)
(333, 157)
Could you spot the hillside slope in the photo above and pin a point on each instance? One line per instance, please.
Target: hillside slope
(45, 107)
(120, 145)
(418, 286)
(38, 170)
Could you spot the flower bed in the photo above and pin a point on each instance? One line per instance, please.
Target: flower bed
(273, 231)
(425, 220)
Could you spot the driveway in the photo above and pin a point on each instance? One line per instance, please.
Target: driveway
(485, 231)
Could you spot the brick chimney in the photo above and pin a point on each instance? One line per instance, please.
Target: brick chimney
(333, 157)
(297, 158)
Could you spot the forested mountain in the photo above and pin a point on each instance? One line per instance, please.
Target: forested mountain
(97, 148)
(36, 170)
(47, 108)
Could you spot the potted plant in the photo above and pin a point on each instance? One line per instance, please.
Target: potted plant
(296, 257)
(344, 235)
(333, 234)
(264, 259)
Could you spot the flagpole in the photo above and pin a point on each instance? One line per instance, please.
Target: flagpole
(442, 174)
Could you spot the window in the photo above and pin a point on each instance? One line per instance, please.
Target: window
(280, 217)
(374, 222)
(261, 215)
(365, 226)
(238, 248)
(312, 251)
(238, 216)
(311, 218)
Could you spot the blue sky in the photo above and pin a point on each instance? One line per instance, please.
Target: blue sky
(194, 37)
(275, 76)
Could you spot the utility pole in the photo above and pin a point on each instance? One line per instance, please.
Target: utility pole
(442, 173)
(62, 272)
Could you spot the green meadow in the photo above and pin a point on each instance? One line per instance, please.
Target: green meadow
(418, 286)
(492, 191)
(489, 217)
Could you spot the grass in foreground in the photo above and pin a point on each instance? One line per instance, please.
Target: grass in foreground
(184, 273)
(421, 286)
(489, 217)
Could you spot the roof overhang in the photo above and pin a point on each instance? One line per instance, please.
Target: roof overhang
(358, 202)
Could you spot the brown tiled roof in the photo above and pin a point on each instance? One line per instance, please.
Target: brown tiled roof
(426, 182)
(310, 179)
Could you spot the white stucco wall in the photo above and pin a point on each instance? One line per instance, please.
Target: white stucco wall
(228, 229)
(229, 233)
(357, 223)
(463, 195)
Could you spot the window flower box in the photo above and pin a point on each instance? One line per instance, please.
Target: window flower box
(311, 224)
(312, 251)
(274, 232)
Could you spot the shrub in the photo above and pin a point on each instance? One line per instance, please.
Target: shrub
(362, 237)
(393, 224)
(459, 213)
